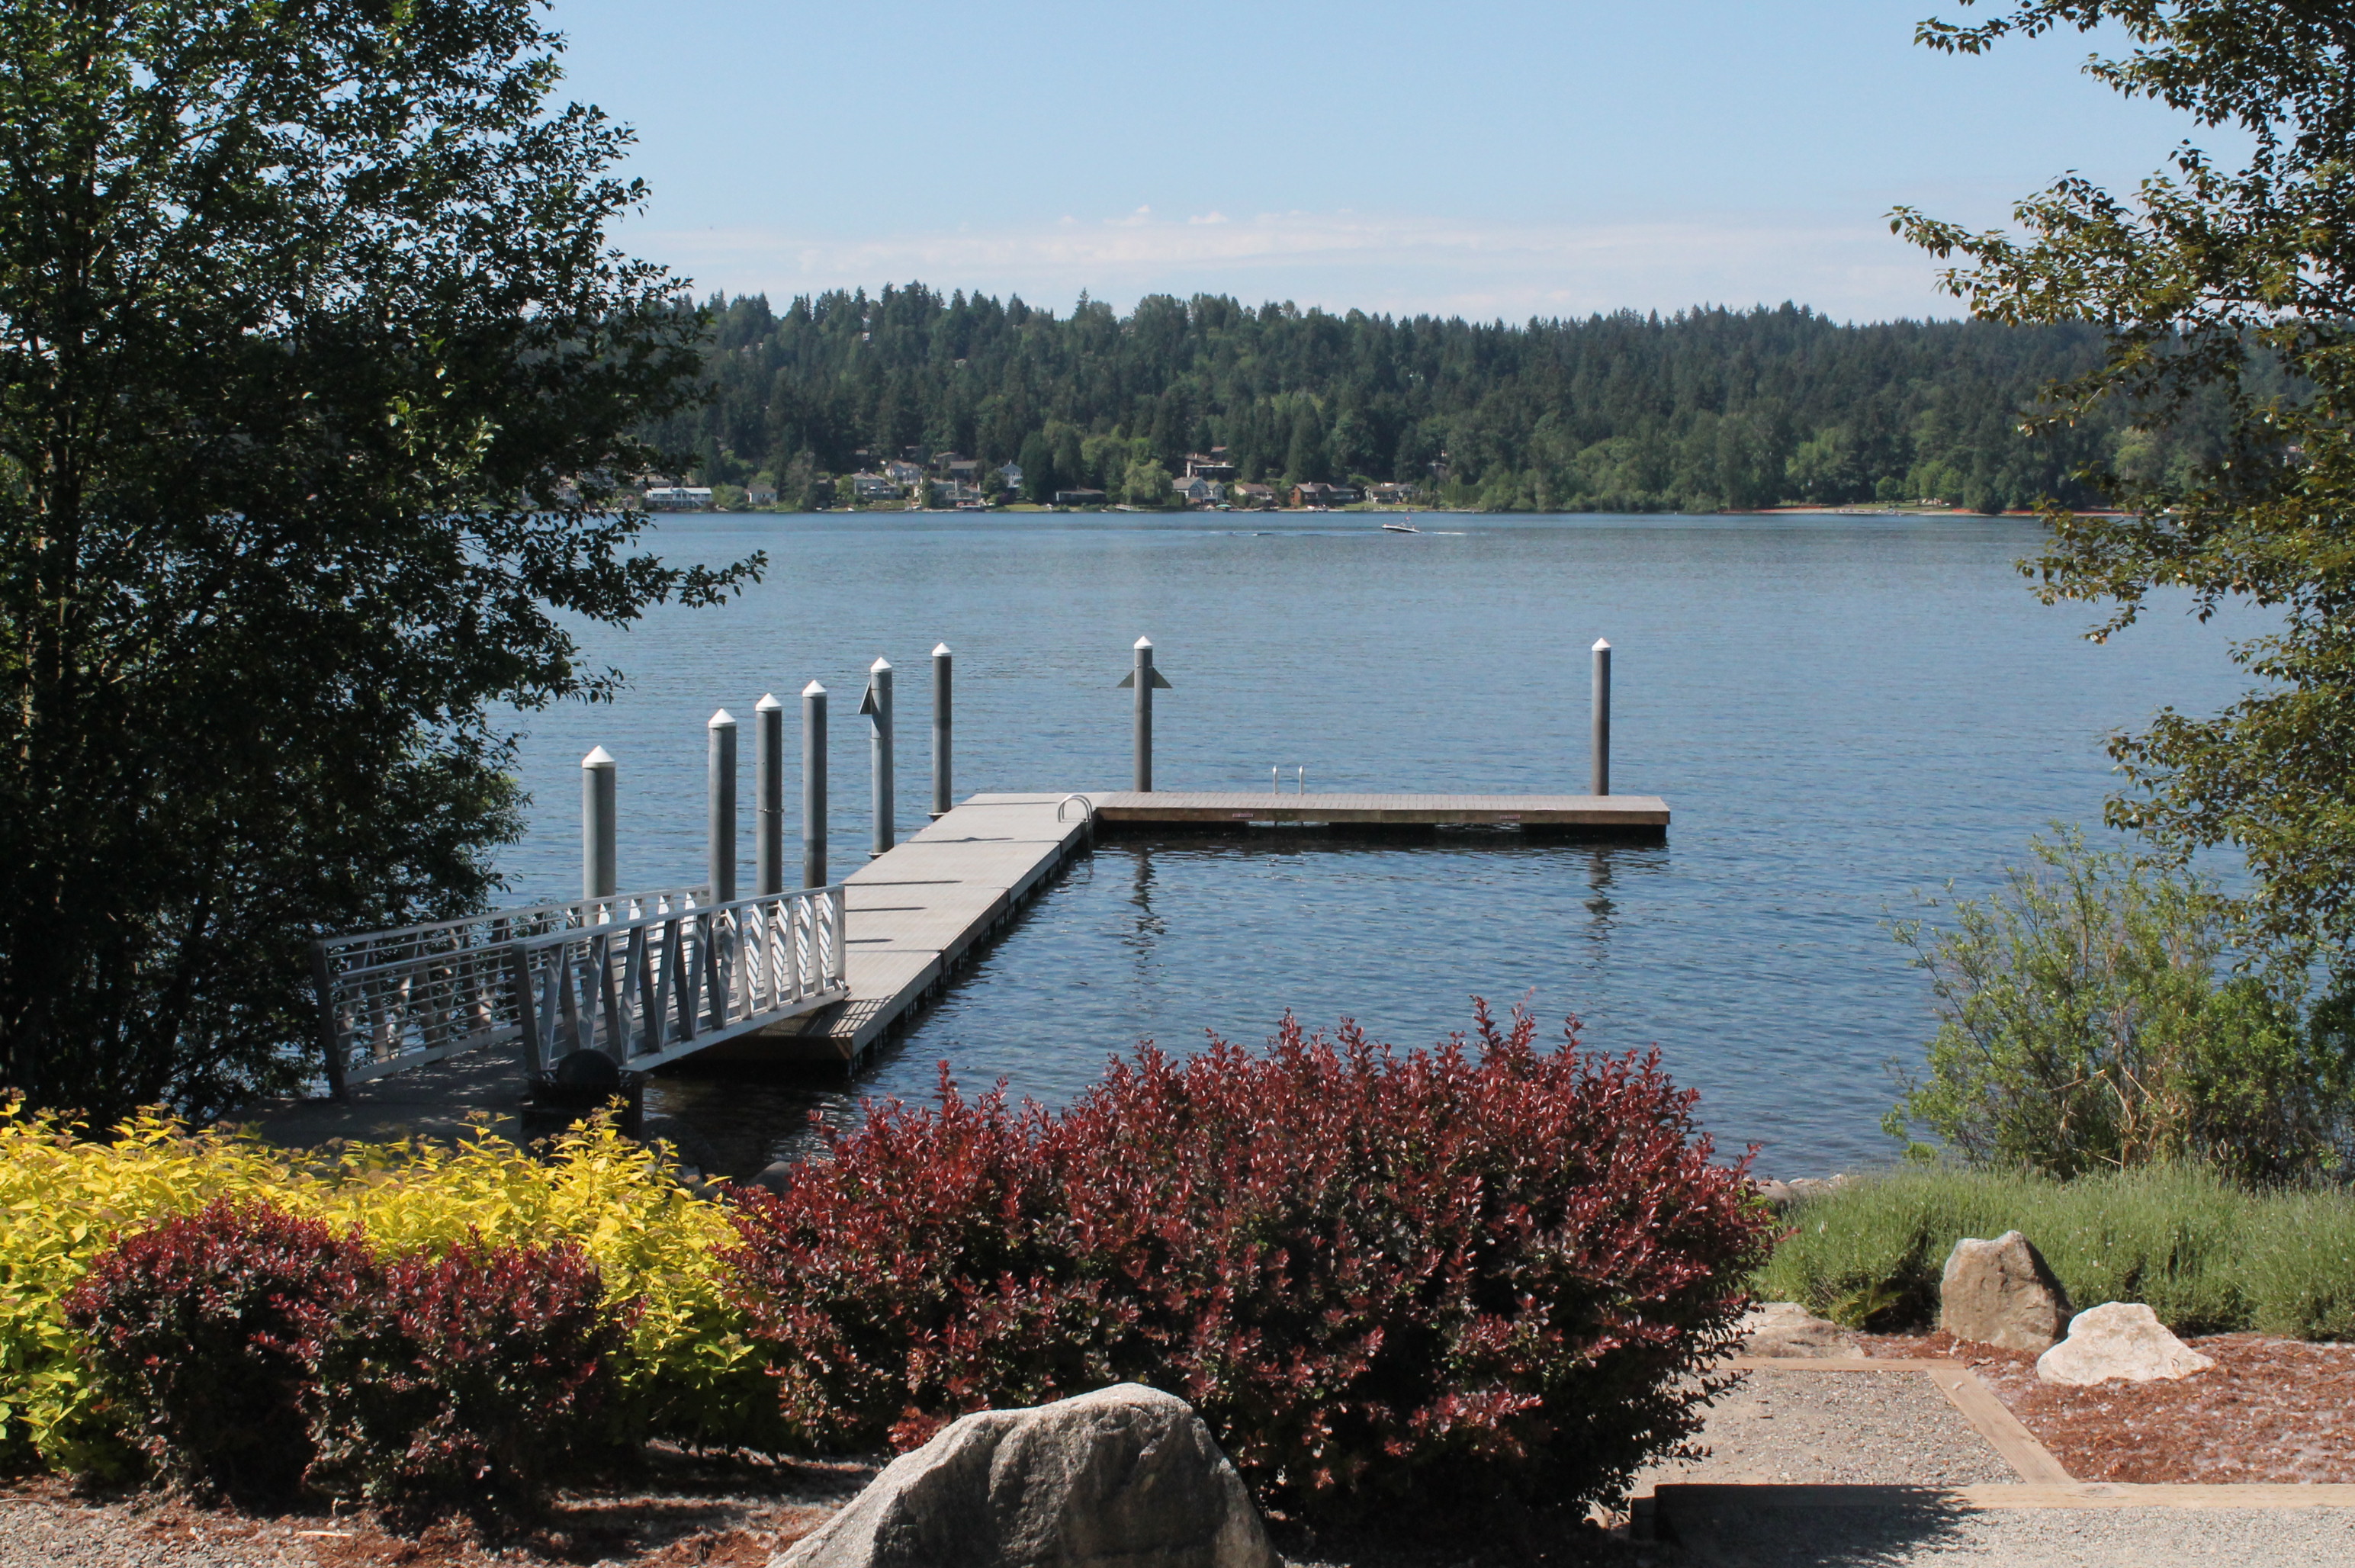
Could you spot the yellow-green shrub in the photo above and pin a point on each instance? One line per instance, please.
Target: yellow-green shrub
(689, 1372)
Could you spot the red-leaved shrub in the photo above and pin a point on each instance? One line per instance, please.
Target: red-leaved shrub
(466, 1384)
(1479, 1274)
(204, 1330)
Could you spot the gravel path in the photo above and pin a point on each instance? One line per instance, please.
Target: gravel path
(1888, 1429)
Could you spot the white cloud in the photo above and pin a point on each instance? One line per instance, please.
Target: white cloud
(1850, 268)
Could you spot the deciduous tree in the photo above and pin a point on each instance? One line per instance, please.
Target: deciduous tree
(2229, 299)
(317, 374)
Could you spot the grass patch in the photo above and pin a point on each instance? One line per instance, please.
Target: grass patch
(2207, 1256)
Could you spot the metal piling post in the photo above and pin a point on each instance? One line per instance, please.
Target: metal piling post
(813, 785)
(877, 705)
(720, 810)
(941, 716)
(1602, 718)
(1144, 678)
(597, 876)
(769, 796)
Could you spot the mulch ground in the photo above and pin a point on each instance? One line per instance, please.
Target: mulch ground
(2269, 1410)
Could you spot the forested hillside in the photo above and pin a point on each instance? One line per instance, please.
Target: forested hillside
(1705, 409)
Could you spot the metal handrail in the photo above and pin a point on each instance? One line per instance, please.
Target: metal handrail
(400, 998)
(648, 991)
(1083, 800)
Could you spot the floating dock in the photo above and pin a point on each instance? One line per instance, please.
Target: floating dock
(1641, 815)
(918, 910)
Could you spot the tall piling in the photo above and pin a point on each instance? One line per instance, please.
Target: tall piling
(813, 785)
(769, 795)
(597, 874)
(1600, 739)
(719, 808)
(877, 705)
(943, 717)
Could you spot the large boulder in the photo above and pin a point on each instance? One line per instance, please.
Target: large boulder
(2123, 1339)
(1126, 1476)
(2000, 1293)
(1787, 1329)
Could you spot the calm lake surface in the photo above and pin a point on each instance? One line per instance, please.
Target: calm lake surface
(1840, 711)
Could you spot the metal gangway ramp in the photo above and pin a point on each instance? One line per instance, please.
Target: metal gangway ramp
(642, 978)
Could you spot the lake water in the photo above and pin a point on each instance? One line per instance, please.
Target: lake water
(1839, 711)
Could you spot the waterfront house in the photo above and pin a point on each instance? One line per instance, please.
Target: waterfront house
(875, 488)
(904, 473)
(1011, 476)
(1249, 495)
(1391, 495)
(1211, 465)
(761, 495)
(957, 466)
(1195, 492)
(1312, 495)
(679, 498)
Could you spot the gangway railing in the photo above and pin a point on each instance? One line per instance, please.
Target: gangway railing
(646, 991)
(395, 999)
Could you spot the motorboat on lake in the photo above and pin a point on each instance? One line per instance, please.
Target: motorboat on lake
(1402, 526)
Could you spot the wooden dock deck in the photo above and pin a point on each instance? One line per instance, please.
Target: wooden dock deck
(1640, 812)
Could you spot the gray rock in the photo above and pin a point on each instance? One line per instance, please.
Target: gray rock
(1787, 1329)
(773, 1177)
(1126, 1476)
(2000, 1293)
(2122, 1340)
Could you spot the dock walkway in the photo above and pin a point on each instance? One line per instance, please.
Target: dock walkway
(917, 913)
(914, 911)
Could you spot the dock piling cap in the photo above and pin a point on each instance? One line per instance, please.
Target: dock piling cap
(1601, 646)
(813, 689)
(880, 667)
(768, 703)
(597, 757)
(722, 719)
(1144, 641)
(941, 651)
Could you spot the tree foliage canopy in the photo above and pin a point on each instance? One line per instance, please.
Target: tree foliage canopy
(314, 366)
(2228, 298)
(1704, 410)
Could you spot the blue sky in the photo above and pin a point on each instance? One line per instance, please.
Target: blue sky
(1485, 157)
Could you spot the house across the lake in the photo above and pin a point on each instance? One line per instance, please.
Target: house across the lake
(679, 498)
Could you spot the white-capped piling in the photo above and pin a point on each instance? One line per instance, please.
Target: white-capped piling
(877, 705)
(813, 785)
(1142, 679)
(941, 716)
(719, 808)
(1601, 738)
(768, 796)
(596, 876)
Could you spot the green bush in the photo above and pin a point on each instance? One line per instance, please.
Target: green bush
(2084, 1025)
(2207, 1255)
